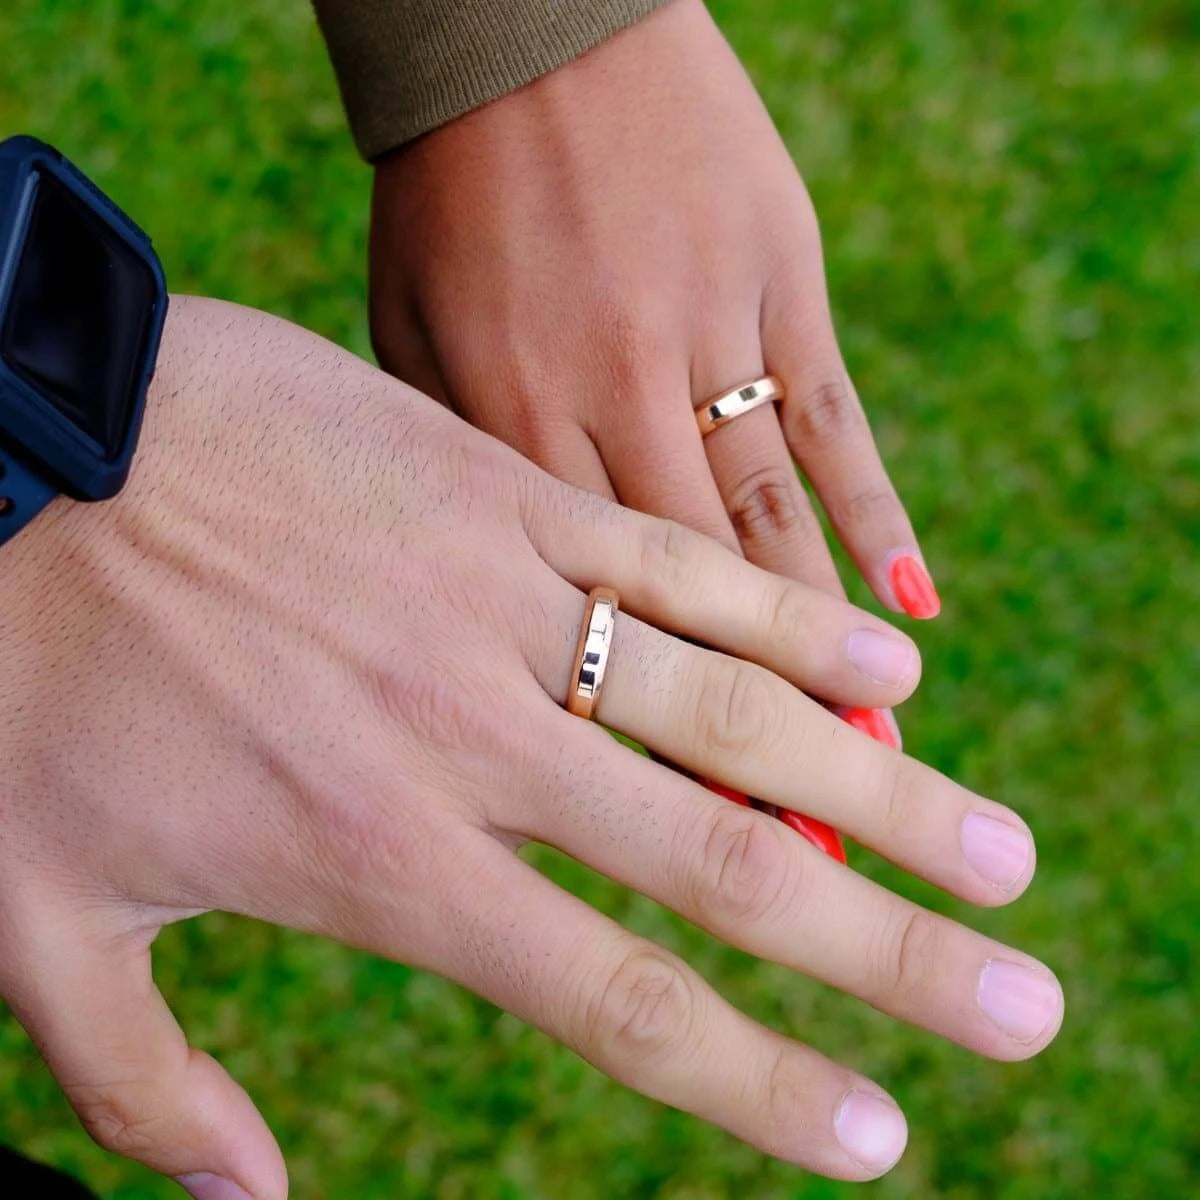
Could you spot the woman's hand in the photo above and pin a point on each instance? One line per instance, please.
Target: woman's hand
(579, 265)
(309, 667)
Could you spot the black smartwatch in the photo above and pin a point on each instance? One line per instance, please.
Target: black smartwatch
(82, 305)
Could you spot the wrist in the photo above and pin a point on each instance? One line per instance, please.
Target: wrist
(403, 72)
(58, 575)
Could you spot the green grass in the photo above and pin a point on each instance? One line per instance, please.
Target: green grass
(1010, 195)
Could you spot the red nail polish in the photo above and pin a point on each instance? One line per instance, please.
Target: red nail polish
(823, 836)
(876, 723)
(728, 793)
(913, 588)
(817, 832)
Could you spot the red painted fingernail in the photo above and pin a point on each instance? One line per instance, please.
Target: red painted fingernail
(823, 836)
(877, 723)
(817, 832)
(913, 588)
(728, 793)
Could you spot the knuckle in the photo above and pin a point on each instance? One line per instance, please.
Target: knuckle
(787, 1092)
(824, 414)
(433, 471)
(521, 378)
(431, 733)
(865, 507)
(467, 468)
(115, 1120)
(434, 707)
(359, 849)
(906, 962)
(746, 873)
(547, 504)
(429, 693)
(634, 335)
(539, 429)
(631, 317)
(630, 372)
(435, 710)
(767, 505)
(736, 711)
(648, 1008)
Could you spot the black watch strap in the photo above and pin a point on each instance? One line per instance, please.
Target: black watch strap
(23, 495)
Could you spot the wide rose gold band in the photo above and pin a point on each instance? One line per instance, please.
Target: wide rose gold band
(592, 651)
(736, 402)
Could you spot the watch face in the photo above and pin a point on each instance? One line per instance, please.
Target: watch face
(79, 315)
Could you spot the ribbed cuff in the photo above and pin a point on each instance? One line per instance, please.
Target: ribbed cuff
(407, 66)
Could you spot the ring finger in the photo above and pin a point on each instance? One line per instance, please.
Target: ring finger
(754, 472)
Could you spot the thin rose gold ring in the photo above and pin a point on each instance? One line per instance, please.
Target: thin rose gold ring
(592, 651)
(736, 402)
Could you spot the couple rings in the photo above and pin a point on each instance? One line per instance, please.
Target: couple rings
(595, 642)
(600, 612)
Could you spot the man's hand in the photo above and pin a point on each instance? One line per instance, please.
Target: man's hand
(579, 265)
(309, 667)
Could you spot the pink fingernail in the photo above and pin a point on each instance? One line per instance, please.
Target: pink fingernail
(996, 850)
(203, 1186)
(1023, 1002)
(913, 588)
(892, 661)
(871, 1129)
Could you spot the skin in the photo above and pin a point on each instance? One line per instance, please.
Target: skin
(309, 667)
(578, 265)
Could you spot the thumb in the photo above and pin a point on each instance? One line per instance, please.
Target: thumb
(87, 998)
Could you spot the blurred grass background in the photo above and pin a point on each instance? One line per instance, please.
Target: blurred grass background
(1010, 195)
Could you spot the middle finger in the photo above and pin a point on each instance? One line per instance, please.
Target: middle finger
(737, 723)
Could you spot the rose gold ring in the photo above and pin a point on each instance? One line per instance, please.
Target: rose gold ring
(591, 653)
(737, 402)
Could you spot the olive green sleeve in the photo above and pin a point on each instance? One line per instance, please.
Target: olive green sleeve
(407, 66)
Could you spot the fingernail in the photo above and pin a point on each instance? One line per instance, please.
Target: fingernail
(728, 792)
(1023, 1002)
(871, 1129)
(203, 1186)
(913, 589)
(997, 851)
(824, 837)
(877, 723)
(888, 660)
